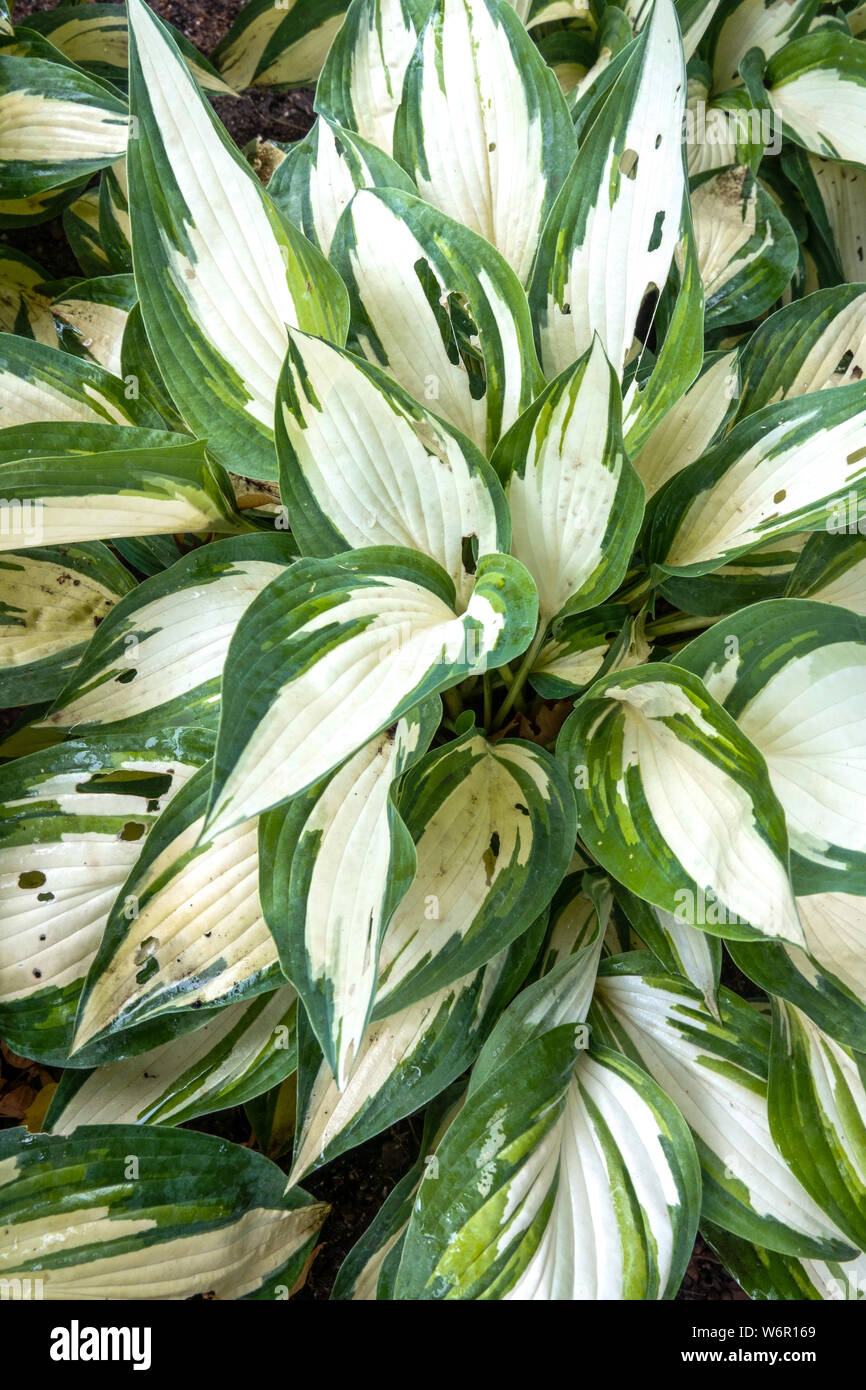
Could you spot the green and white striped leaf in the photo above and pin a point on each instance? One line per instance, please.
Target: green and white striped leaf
(767, 1275)
(746, 248)
(51, 602)
(279, 45)
(832, 569)
(23, 308)
(581, 906)
(493, 828)
(197, 937)
(40, 383)
(162, 649)
(816, 86)
(239, 1052)
(150, 491)
(563, 1178)
(760, 574)
(97, 40)
(220, 273)
(778, 669)
(563, 994)
(576, 502)
(835, 195)
(716, 1075)
(820, 1083)
(361, 82)
(335, 651)
(115, 229)
(483, 128)
(754, 24)
(807, 346)
(694, 16)
(367, 1272)
(362, 464)
(320, 174)
(334, 864)
(73, 1218)
(581, 649)
(17, 213)
(779, 471)
(92, 318)
(272, 1117)
(658, 380)
(73, 826)
(828, 981)
(59, 125)
(437, 306)
(691, 424)
(405, 1059)
(619, 205)
(676, 803)
(81, 226)
(680, 948)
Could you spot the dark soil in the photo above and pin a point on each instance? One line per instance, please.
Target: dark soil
(356, 1184)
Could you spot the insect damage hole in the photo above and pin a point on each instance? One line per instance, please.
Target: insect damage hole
(628, 163)
(31, 879)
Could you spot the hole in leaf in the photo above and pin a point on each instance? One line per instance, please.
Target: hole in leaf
(857, 457)
(655, 240)
(31, 879)
(469, 553)
(133, 830)
(628, 162)
(45, 897)
(125, 677)
(780, 495)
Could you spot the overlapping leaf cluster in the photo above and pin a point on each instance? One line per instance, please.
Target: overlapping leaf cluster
(434, 575)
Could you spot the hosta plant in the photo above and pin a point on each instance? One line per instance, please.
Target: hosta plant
(433, 591)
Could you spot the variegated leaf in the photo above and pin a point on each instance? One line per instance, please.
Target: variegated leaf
(619, 205)
(361, 82)
(362, 464)
(563, 1178)
(580, 649)
(320, 174)
(115, 228)
(827, 981)
(236, 1054)
(279, 45)
(576, 502)
(92, 318)
(680, 948)
(142, 491)
(40, 383)
(58, 125)
(219, 272)
(781, 470)
(74, 821)
(437, 306)
(807, 346)
(765, 1274)
(483, 128)
(832, 568)
(51, 601)
(675, 802)
(334, 864)
(73, 1219)
(405, 1059)
(754, 24)
(23, 308)
(816, 86)
(747, 250)
(716, 1074)
(367, 1273)
(691, 424)
(821, 1083)
(379, 625)
(162, 649)
(777, 668)
(81, 225)
(196, 939)
(493, 828)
